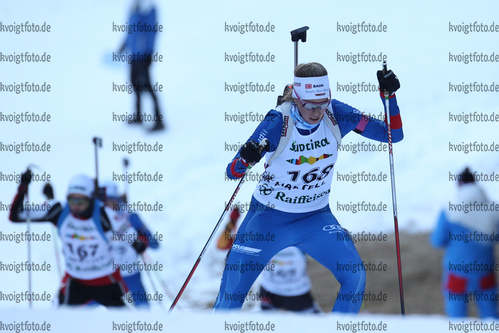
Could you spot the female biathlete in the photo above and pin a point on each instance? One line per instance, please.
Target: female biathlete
(290, 205)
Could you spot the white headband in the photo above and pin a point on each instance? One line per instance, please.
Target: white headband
(314, 87)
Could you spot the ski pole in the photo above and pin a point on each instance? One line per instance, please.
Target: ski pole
(56, 251)
(126, 163)
(98, 144)
(148, 260)
(296, 36)
(263, 144)
(152, 282)
(53, 228)
(49, 193)
(394, 196)
(28, 225)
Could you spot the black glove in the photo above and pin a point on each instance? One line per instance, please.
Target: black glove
(388, 81)
(26, 178)
(48, 191)
(250, 152)
(139, 246)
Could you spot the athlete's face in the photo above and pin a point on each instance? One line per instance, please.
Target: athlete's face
(311, 116)
(78, 203)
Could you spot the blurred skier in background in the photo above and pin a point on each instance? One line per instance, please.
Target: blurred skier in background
(128, 227)
(285, 283)
(140, 44)
(468, 236)
(85, 232)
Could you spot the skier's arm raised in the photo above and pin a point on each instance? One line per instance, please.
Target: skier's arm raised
(18, 213)
(351, 119)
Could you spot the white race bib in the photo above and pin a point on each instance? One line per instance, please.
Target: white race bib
(288, 276)
(299, 180)
(87, 253)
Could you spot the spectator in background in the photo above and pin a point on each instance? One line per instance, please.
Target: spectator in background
(465, 230)
(140, 43)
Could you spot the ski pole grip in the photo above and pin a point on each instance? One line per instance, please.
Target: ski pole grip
(263, 145)
(299, 34)
(97, 142)
(385, 70)
(98, 192)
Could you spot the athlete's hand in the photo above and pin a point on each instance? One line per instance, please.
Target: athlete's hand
(139, 246)
(48, 191)
(25, 180)
(388, 81)
(250, 152)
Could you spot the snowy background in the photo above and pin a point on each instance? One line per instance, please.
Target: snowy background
(194, 72)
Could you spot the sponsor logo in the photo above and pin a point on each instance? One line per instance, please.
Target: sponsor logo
(246, 250)
(80, 237)
(309, 146)
(70, 225)
(332, 228)
(310, 160)
(265, 189)
(285, 126)
(308, 86)
(300, 199)
(331, 117)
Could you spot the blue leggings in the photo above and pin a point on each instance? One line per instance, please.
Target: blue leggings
(266, 231)
(456, 303)
(136, 287)
(458, 307)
